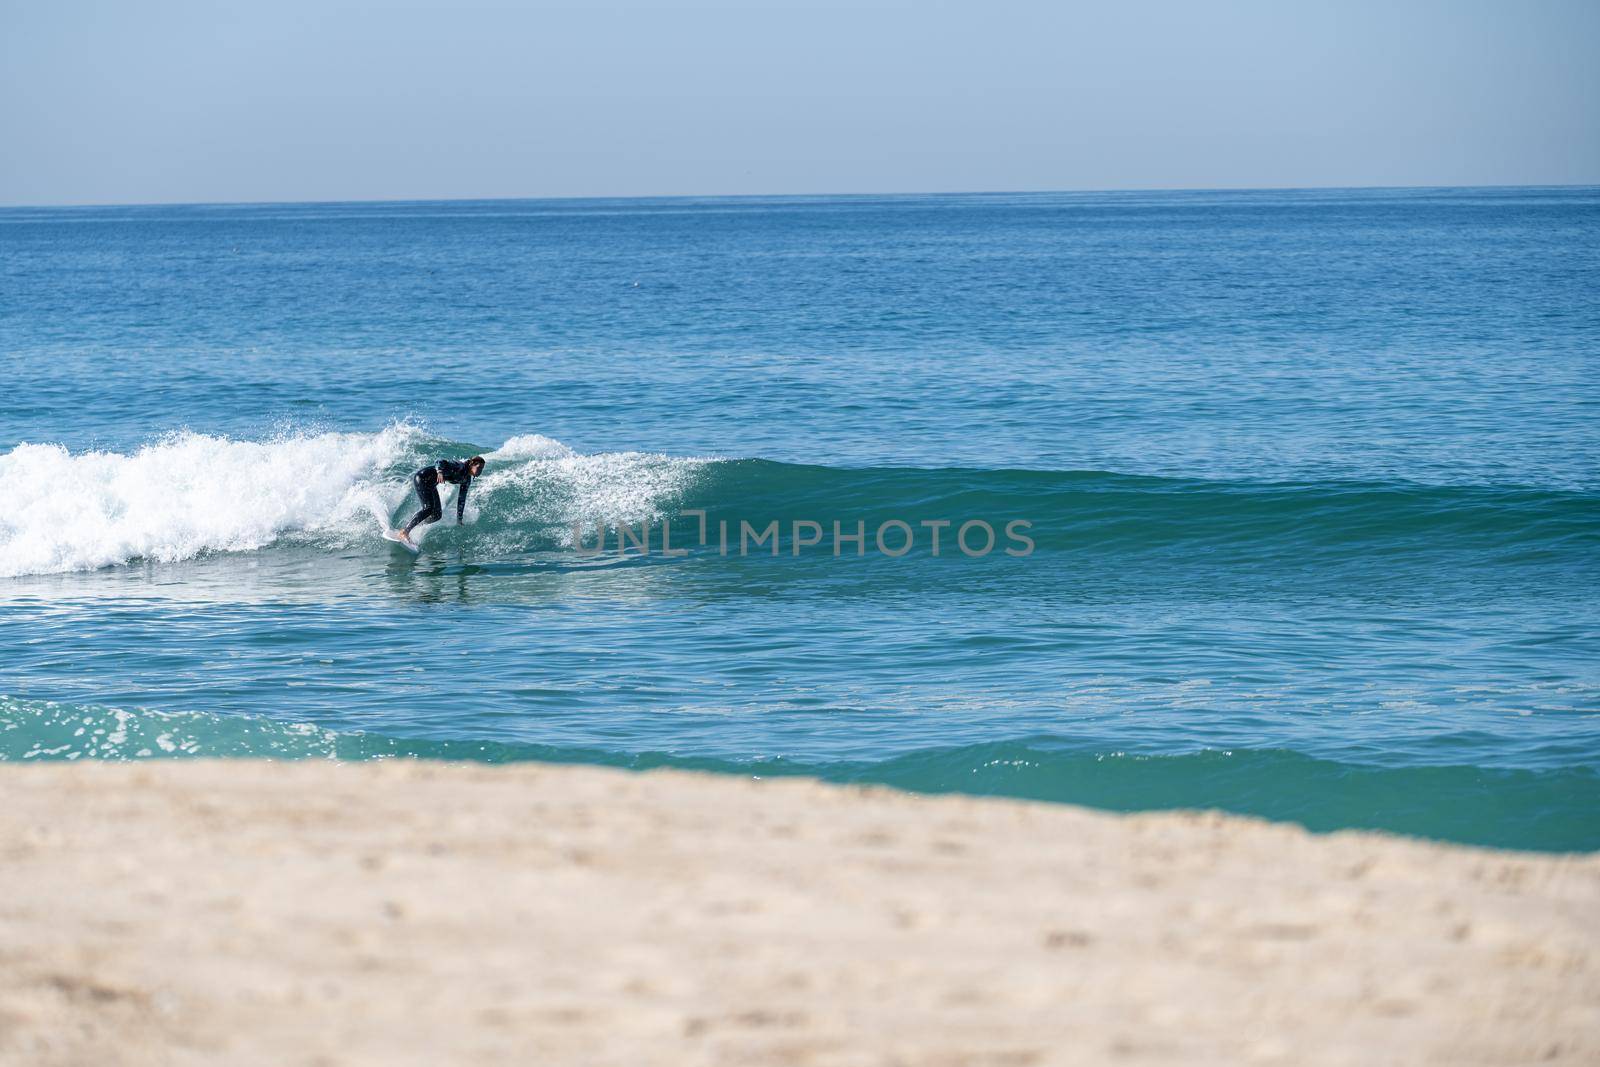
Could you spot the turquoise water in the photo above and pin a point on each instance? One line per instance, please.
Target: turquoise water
(1305, 491)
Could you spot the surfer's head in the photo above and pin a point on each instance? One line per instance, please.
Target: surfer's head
(475, 465)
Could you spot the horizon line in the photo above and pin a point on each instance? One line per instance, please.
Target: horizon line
(22, 206)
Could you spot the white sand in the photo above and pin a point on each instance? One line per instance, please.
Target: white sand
(404, 913)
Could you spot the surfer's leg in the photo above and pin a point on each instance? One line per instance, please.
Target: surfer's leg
(428, 493)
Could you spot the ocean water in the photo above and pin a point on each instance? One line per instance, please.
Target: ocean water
(1305, 485)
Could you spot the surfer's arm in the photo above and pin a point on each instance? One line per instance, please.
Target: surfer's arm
(461, 500)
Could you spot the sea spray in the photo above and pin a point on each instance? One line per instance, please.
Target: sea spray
(187, 494)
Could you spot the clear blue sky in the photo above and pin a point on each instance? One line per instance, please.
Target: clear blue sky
(111, 102)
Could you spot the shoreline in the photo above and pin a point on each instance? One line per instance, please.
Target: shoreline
(236, 911)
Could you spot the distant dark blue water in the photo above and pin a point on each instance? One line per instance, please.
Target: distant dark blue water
(1308, 486)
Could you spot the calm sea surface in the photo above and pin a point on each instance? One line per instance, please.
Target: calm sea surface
(1307, 484)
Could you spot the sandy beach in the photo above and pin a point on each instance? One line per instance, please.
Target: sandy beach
(401, 912)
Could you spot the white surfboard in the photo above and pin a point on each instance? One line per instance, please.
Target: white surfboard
(400, 539)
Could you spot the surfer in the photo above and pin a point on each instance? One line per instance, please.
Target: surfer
(427, 482)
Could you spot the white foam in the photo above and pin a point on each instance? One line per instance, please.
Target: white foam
(562, 487)
(187, 494)
(530, 446)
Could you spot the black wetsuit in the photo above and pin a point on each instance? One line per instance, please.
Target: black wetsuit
(427, 481)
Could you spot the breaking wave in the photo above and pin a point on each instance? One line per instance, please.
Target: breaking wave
(1545, 809)
(188, 494)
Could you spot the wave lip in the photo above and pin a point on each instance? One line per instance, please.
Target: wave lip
(536, 490)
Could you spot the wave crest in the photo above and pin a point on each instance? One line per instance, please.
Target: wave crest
(189, 493)
(185, 494)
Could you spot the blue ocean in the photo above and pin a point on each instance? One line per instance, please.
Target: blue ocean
(1280, 503)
